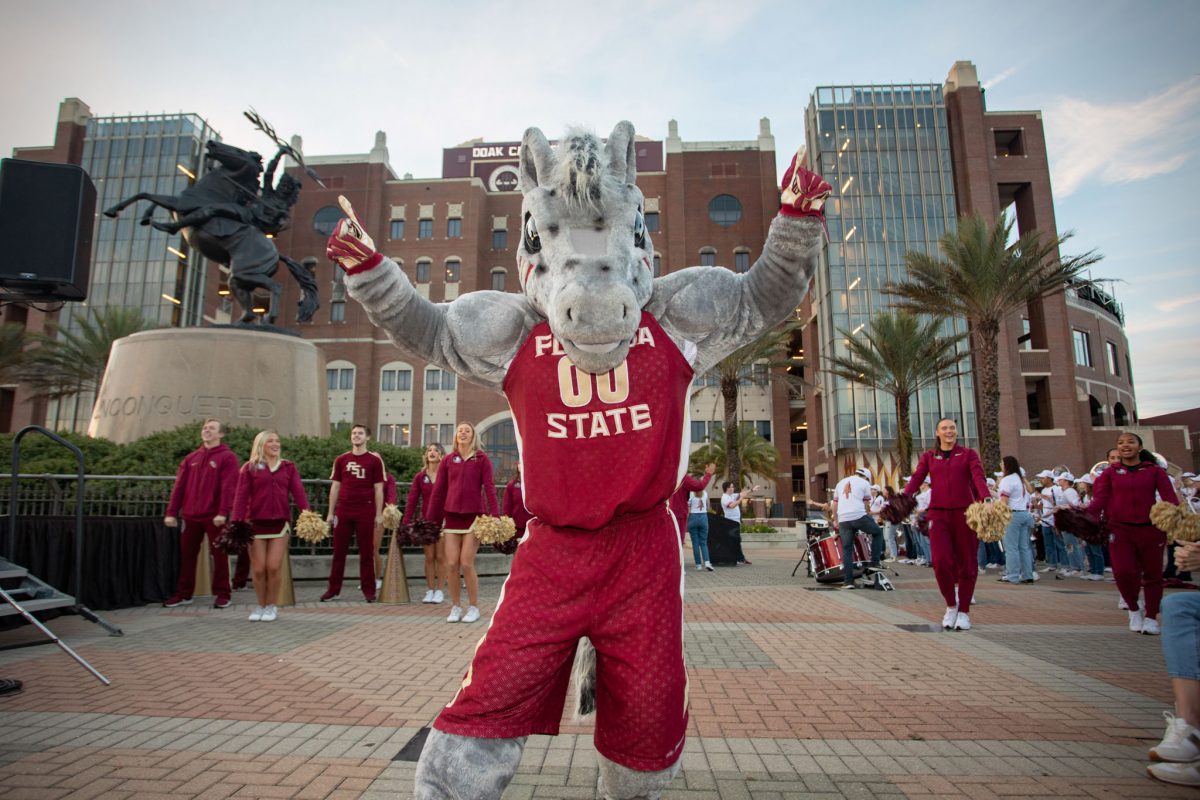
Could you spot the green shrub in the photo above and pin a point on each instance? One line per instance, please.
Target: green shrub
(757, 527)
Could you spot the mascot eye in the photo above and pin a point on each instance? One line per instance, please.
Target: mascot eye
(639, 231)
(532, 242)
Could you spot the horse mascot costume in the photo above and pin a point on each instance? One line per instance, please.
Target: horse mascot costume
(595, 357)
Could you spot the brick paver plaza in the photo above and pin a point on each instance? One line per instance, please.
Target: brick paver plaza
(796, 692)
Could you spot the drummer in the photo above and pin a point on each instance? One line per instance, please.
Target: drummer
(851, 507)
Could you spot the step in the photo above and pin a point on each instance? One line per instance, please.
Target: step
(41, 604)
(11, 570)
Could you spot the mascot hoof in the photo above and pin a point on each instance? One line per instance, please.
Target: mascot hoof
(466, 768)
(622, 783)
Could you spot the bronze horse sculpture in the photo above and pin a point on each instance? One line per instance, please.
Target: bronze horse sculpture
(229, 218)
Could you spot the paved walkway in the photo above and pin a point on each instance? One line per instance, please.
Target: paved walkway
(796, 692)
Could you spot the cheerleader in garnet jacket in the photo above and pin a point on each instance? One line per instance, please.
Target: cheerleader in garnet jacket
(419, 494)
(464, 491)
(264, 486)
(1124, 493)
(956, 481)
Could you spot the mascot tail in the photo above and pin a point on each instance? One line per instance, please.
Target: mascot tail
(585, 679)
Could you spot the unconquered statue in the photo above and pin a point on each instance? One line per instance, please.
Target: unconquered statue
(227, 215)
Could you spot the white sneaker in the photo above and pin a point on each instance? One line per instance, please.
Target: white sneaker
(699, 568)
(270, 614)
(438, 596)
(378, 584)
(256, 614)
(1150, 627)
(456, 615)
(949, 618)
(708, 566)
(1136, 620)
(1037, 577)
(889, 560)
(428, 598)
(472, 615)
(963, 622)
(1121, 604)
(1180, 743)
(1180, 774)
(1095, 577)
(1047, 569)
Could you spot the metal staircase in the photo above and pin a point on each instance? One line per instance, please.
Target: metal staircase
(23, 593)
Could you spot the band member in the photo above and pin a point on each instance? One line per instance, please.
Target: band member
(958, 481)
(355, 509)
(203, 496)
(851, 504)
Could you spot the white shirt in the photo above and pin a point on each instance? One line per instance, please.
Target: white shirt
(923, 499)
(878, 503)
(851, 494)
(697, 505)
(734, 513)
(1012, 488)
(1066, 498)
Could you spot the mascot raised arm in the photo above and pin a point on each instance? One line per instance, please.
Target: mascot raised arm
(595, 357)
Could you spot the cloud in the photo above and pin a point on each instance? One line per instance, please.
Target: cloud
(1122, 142)
(998, 79)
(1177, 303)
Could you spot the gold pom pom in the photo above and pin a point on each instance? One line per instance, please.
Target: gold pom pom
(1189, 528)
(1177, 522)
(493, 530)
(391, 517)
(989, 520)
(311, 528)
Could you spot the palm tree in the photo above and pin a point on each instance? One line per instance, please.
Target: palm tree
(899, 353)
(75, 361)
(12, 352)
(737, 370)
(983, 279)
(758, 456)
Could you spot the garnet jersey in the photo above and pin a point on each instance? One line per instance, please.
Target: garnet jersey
(357, 476)
(594, 447)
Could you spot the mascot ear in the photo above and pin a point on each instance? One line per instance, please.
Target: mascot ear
(536, 159)
(622, 159)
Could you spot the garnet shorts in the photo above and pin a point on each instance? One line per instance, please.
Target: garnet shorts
(620, 586)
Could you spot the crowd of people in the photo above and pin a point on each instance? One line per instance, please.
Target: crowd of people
(212, 490)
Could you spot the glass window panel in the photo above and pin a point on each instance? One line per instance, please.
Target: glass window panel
(425, 229)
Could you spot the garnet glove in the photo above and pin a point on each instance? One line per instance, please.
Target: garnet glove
(350, 245)
(803, 192)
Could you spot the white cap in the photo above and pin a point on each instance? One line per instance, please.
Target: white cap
(1066, 476)
(991, 481)
(1188, 475)
(863, 472)
(1022, 472)
(998, 474)
(1087, 479)
(877, 487)
(906, 478)
(1045, 474)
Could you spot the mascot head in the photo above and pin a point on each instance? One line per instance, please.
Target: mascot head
(585, 258)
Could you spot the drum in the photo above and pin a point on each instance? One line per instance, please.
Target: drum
(825, 558)
(862, 549)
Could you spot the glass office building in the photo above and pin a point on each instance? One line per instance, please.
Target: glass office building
(886, 151)
(135, 266)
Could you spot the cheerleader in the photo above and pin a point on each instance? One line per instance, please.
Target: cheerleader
(264, 485)
(1124, 494)
(958, 481)
(418, 495)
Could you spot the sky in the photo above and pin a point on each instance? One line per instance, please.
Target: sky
(1118, 85)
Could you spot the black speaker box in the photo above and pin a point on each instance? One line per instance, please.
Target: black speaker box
(47, 215)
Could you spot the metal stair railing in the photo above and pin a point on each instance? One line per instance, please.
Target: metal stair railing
(77, 605)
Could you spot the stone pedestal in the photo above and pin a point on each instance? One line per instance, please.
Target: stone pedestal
(161, 379)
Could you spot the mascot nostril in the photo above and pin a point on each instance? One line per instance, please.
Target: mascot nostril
(597, 366)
